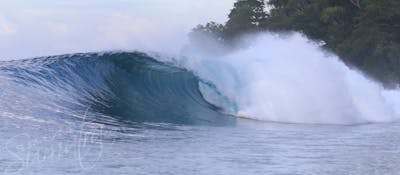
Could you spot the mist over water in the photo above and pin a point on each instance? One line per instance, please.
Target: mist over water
(136, 100)
(290, 79)
(281, 79)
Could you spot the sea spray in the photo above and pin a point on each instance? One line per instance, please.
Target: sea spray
(281, 79)
(290, 79)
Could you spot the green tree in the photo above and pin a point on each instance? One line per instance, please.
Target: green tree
(211, 29)
(246, 16)
(365, 34)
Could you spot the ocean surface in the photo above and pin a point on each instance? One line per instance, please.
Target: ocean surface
(138, 113)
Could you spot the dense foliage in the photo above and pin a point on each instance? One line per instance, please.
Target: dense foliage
(246, 16)
(364, 33)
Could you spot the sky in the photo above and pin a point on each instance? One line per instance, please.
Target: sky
(50, 27)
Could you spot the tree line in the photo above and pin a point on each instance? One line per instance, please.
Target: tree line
(364, 33)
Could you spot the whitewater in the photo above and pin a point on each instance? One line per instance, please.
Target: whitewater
(291, 79)
(277, 105)
(273, 78)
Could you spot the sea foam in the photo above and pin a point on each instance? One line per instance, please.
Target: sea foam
(291, 79)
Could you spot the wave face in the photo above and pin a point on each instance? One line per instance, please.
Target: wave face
(275, 79)
(290, 79)
(127, 86)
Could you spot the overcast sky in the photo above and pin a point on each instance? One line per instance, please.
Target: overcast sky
(47, 27)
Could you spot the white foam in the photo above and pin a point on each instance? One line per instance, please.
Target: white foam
(292, 80)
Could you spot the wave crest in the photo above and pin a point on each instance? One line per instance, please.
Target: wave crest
(290, 79)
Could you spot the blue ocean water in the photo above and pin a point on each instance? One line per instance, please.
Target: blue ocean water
(127, 113)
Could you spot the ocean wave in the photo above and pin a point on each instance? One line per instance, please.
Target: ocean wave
(126, 86)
